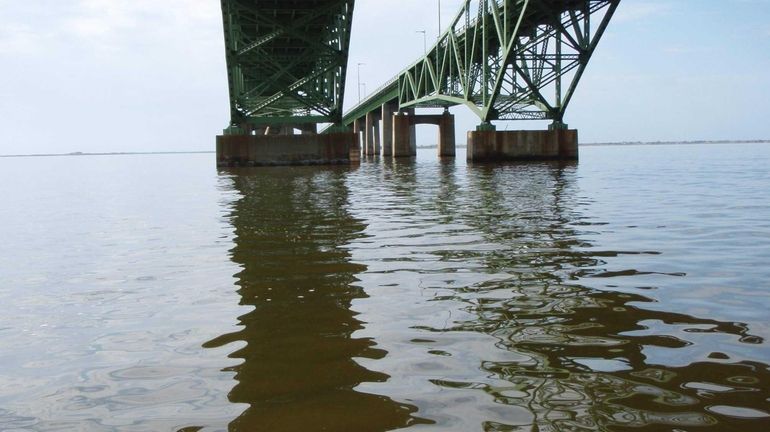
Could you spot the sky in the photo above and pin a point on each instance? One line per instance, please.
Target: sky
(148, 75)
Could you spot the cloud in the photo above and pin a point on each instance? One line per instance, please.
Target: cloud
(102, 24)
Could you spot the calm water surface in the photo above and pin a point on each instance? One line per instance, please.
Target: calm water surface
(629, 292)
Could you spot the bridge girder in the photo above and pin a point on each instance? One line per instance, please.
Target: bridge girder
(509, 59)
(286, 60)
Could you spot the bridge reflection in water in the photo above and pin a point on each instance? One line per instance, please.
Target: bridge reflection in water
(298, 370)
(480, 305)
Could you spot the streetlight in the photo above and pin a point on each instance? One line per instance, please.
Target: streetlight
(439, 19)
(359, 81)
(424, 41)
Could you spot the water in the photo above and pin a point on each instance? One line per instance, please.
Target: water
(155, 293)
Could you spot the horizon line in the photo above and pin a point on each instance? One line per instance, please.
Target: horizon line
(594, 144)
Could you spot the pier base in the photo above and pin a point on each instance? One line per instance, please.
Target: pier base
(355, 149)
(268, 150)
(402, 131)
(358, 129)
(491, 145)
(446, 136)
(412, 132)
(388, 109)
(373, 133)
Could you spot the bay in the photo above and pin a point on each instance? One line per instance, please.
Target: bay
(628, 291)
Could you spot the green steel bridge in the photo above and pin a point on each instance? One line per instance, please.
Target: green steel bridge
(503, 59)
(286, 61)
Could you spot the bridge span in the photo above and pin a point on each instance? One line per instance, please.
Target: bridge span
(502, 59)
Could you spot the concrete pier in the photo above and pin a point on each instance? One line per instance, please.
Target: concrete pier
(358, 129)
(446, 131)
(355, 149)
(373, 133)
(491, 145)
(267, 150)
(388, 109)
(404, 133)
(376, 132)
(402, 136)
(397, 136)
(369, 135)
(412, 133)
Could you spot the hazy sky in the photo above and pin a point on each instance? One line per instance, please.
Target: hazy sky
(136, 75)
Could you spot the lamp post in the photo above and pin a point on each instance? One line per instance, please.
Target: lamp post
(424, 41)
(439, 19)
(359, 81)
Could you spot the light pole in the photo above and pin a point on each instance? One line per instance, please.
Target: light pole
(359, 81)
(439, 19)
(424, 41)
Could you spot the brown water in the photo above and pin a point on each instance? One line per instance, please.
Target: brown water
(629, 292)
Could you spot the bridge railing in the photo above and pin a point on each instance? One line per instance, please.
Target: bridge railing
(373, 95)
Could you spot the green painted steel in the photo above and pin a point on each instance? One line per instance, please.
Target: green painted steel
(386, 93)
(504, 59)
(286, 61)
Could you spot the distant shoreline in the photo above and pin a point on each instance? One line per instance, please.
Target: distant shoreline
(654, 143)
(107, 154)
(624, 143)
(649, 143)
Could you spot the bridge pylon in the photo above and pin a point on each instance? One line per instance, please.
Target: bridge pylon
(286, 70)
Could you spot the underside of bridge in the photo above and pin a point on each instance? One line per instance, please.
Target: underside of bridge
(286, 67)
(510, 59)
(503, 59)
(286, 61)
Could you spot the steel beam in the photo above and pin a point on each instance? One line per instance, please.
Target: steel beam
(286, 60)
(504, 59)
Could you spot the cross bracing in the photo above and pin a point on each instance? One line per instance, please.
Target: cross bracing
(504, 59)
(286, 60)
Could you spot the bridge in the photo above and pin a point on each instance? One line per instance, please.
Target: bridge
(502, 59)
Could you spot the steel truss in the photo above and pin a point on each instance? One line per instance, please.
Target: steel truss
(509, 59)
(286, 60)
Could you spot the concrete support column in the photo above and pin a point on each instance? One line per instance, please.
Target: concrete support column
(412, 134)
(369, 135)
(377, 115)
(388, 109)
(401, 136)
(357, 130)
(446, 135)
(355, 148)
